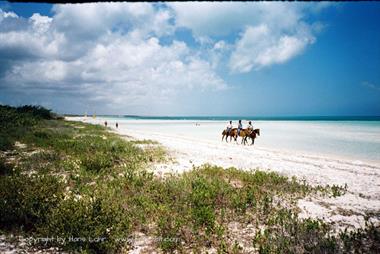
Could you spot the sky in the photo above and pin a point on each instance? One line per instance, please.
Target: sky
(193, 58)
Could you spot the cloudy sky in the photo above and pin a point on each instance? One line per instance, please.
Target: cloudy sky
(258, 59)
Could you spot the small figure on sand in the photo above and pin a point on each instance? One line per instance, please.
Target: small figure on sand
(105, 123)
(117, 125)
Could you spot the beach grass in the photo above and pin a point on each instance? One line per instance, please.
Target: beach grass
(87, 185)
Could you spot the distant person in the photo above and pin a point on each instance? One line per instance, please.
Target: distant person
(105, 123)
(117, 125)
(229, 127)
(240, 127)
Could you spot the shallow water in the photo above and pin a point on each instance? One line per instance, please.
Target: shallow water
(355, 140)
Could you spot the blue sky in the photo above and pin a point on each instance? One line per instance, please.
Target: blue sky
(259, 59)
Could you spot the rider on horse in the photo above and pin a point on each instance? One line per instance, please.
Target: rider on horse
(229, 128)
(250, 127)
(240, 127)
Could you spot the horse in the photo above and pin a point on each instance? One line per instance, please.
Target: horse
(226, 134)
(243, 133)
(252, 135)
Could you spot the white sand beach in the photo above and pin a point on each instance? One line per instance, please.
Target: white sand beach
(191, 145)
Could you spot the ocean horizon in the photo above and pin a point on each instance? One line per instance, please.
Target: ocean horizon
(236, 118)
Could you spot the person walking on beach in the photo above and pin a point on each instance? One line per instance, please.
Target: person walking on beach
(117, 125)
(240, 127)
(105, 123)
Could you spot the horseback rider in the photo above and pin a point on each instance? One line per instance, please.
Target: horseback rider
(229, 128)
(240, 127)
(250, 127)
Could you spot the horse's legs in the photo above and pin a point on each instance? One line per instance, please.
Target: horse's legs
(253, 141)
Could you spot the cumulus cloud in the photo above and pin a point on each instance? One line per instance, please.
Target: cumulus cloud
(260, 46)
(114, 53)
(109, 53)
(267, 33)
(218, 19)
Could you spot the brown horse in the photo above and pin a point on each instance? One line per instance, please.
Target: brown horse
(252, 135)
(243, 134)
(226, 134)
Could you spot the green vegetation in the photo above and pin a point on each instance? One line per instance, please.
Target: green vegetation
(75, 180)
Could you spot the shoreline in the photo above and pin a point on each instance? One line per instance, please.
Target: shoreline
(362, 178)
(371, 163)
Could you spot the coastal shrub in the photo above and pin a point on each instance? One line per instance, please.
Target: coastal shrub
(207, 195)
(337, 190)
(286, 233)
(5, 167)
(168, 230)
(90, 223)
(96, 162)
(36, 111)
(362, 240)
(6, 142)
(144, 142)
(41, 162)
(26, 200)
(16, 122)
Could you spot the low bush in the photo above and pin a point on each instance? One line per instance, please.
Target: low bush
(363, 240)
(6, 142)
(27, 200)
(90, 223)
(5, 167)
(284, 232)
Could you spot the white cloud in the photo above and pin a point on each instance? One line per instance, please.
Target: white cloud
(260, 46)
(116, 65)
(267, 33)
(4, 15)
(212, 18)
(92, 20)
(111, 52)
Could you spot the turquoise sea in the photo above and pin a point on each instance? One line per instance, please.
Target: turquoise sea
(349, 137)
(266, 118)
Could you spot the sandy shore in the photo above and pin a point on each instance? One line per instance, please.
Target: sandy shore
(362, 178)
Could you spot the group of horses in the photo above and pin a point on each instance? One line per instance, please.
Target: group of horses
(244, 134)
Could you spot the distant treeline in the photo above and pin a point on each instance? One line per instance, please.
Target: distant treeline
(8, 112)
(16, 121)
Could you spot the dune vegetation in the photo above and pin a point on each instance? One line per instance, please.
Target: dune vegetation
(92, 191)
